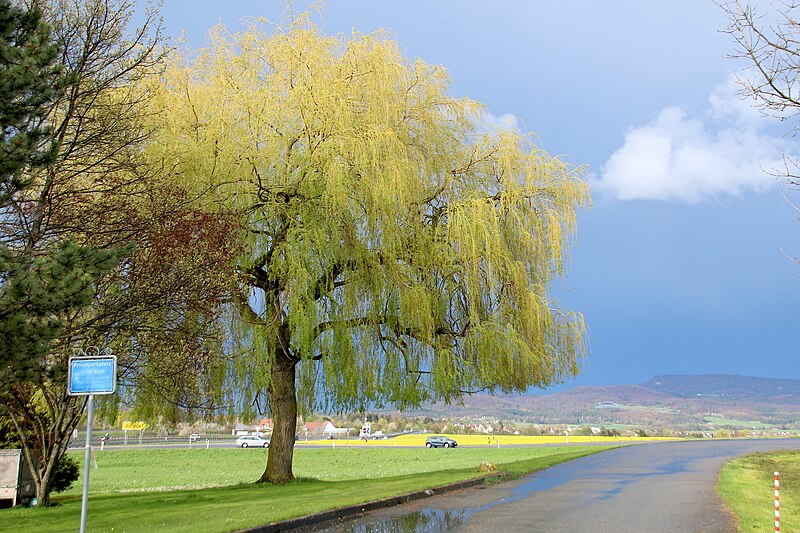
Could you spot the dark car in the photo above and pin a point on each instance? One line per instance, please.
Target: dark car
(439, 441)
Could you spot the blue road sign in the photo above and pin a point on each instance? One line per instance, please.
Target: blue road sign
(92, 375)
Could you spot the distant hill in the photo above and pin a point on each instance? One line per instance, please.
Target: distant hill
(680, 402)
(724, 385)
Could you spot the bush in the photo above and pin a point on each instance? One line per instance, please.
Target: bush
(65, 474)
(486, 466)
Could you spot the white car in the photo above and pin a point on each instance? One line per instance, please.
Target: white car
(247, 441)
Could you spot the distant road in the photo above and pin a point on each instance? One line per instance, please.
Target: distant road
(155, 443)
(657, 487)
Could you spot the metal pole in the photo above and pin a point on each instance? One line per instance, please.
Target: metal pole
(86, 469)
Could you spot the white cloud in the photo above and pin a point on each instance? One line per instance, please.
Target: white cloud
(678, 157)
(507, 121)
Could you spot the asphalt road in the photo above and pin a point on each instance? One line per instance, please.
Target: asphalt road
(659, 487)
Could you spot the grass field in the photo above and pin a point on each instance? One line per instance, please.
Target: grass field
(210, 490)
(746, 486)
(749, 424)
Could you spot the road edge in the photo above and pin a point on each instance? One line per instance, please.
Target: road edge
(355, 510)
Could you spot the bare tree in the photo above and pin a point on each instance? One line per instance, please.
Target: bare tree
(768, 39)
(85, 195)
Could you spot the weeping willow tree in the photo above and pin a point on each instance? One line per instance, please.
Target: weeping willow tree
(398, 248)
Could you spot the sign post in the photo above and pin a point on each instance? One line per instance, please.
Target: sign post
(87, 376)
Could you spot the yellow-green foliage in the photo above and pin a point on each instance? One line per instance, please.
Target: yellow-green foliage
(394, 236)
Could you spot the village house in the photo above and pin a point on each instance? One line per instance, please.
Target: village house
(325, 428)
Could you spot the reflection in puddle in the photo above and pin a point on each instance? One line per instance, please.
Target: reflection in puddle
(613, 479)
(424, 521)
(430, 520)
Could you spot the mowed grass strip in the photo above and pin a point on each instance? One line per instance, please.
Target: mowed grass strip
(131, 490)
(746, 484)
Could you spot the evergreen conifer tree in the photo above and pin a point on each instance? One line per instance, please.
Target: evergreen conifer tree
(30, 80)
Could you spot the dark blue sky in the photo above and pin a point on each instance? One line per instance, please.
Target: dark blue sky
(677, 267)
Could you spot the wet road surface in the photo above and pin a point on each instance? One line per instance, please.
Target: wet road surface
(658, 487)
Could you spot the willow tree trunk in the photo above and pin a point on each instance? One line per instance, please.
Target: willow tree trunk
(283, 402)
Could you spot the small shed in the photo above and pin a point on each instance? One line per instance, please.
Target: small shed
(16, 481)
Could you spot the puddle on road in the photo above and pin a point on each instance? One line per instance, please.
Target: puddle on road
(422, 521)
(431, 520)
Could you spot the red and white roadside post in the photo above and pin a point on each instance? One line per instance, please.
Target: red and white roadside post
(777, 503)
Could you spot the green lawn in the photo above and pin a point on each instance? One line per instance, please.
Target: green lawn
(749, 424)
(211, 490)
(746, 485)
